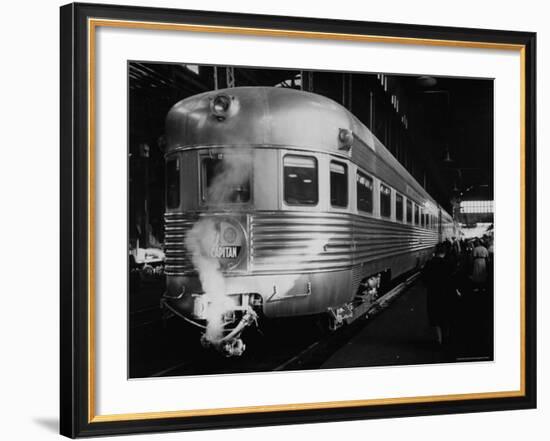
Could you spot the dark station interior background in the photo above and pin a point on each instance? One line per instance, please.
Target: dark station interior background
(440, 129)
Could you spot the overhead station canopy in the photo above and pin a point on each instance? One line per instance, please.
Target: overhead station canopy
(439, 129)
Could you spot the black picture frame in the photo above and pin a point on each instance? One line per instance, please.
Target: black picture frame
(77, 419)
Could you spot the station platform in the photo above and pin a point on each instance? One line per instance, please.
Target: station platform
(401, 334)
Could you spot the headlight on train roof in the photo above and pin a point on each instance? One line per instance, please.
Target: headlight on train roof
(219, 106)
(345, 136)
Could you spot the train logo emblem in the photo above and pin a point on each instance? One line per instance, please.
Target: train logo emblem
(228, 244)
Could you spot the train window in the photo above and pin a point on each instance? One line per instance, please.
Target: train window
(416, 214)
(385, 201)
(173, 183)
(398, 207)
(300, 180)
(226, 179)
(409, 212)
(364, 192)
(338, 184)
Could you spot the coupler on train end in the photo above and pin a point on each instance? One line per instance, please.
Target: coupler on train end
(232, 345)
(221, 324)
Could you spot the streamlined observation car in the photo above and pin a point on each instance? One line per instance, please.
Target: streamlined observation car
(282, 203)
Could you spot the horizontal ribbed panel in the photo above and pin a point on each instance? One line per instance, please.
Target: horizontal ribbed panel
(282, 242)
(377, 239)
(176, 226)
(294, 242)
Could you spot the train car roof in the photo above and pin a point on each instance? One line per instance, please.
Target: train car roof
(273, 116)
(258, 116)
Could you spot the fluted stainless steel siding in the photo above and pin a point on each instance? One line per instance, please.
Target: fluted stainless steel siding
(176, 226)
(377, 239)
(295, 242)
(298, 242)
(280, 241)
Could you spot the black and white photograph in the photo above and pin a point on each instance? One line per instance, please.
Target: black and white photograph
(284, 219)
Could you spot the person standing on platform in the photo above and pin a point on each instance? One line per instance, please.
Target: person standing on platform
(479, 269)
(437, 276)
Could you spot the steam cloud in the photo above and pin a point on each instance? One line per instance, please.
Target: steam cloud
(200, 240)
(232, 173)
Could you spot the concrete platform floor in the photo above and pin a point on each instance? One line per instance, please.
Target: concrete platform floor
(401, 335)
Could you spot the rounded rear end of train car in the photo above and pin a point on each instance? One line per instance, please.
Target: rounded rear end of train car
(246, 235)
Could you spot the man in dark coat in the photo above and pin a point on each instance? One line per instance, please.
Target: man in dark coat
(438, 277)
